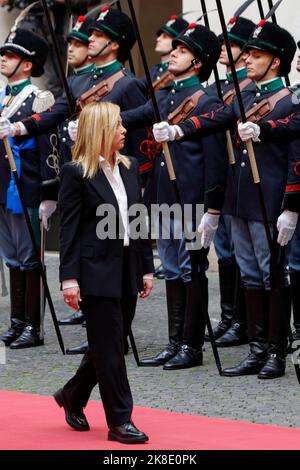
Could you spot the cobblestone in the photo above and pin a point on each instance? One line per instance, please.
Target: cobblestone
(199, 391)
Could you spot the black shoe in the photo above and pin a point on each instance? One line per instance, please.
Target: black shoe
(219, 330)
(127, 434)
(161, 358)
(76, 318)
(273, 368)
(81, 349)
(75, 419)
(13, 332)
(252, 365)
(235, 336)
(28, 339)
(186, 357)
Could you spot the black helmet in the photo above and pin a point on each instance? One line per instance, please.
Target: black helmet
(118, 26)
(174, 26)
(239, 30)
(204, 43)
(29, 46)
(80, 31)
(272, 38)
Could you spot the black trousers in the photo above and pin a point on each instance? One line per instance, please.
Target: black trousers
(104, 361)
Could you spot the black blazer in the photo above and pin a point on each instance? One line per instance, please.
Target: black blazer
(97, 264)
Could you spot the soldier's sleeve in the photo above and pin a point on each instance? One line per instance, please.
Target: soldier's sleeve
(286, 129)
(291, 200)
(141, 140)
(41, 123)
(216, 120)
(216, 164)
(138, 118)
(49, 166)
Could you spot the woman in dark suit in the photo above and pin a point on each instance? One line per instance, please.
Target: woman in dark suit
(102, 272)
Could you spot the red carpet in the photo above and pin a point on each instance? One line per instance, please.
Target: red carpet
(34, 422)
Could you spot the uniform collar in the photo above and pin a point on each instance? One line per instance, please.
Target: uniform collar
(241, 74)
(83, 70)
(186, 83)
(107, 69)
(163, 66)
(269, 86)
(15, 88)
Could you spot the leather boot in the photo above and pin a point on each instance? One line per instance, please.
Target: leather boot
(227, 283)
(76, 318)
(17, 302)
(236, 334)
(295, 288)
(190, 353)
(279, 318)
(81, 349)
(30, 336)
(176, 299)
(257, 321)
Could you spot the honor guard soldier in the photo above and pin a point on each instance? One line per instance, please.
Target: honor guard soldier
(270, 53)
(293, 250)
(160, 74)
(81, 63)
(231, 329)
(200, 178)
(23, 56)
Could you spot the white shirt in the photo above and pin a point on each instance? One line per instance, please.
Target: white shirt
(117, 185)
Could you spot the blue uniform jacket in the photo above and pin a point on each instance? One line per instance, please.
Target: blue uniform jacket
(200, 164)
(276, 161)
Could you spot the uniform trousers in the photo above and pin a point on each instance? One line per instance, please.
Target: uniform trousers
(223, 240)
(15, 243)
(293, 253)
(253, 254)
(104, 361)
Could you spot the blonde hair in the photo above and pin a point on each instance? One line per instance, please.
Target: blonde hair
(96, 130)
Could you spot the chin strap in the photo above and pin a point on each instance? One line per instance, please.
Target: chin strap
(268, 68)
(193, 63)
(16, 69)
(103, 48)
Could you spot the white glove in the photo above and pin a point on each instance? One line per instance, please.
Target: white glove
(208, 227)
(286, 225)
(72, 129)
(248, 131)
(163, 132)
(7, 129)
(46, 209)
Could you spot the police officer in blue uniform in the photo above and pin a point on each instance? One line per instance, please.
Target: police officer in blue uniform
(200, 178)
(231, 329)
(23, 55)
(270, 53)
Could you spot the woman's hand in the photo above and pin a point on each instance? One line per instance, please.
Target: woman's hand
(72, 297)
(148, 286)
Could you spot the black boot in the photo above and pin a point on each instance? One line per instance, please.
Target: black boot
(31, 333)
(190, 353)
(176, 295)
(257, 321)
(76, 318)
(279, 319)
(227, 282)
(17, 302)
(236, 334)
(295, 288)
(81, 349)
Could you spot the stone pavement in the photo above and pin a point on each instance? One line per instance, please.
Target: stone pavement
(199, 391)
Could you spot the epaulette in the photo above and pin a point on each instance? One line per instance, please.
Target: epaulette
(43, 100)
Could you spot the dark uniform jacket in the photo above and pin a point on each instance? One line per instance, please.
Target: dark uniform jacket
(34, 167)
(200, 164)
(127, 93)
(95, 263)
